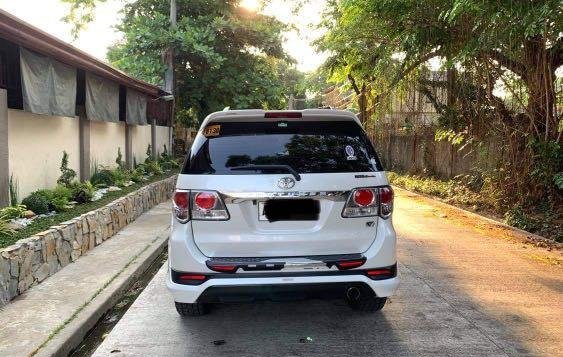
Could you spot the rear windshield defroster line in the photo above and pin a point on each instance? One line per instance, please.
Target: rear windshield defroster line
(306, 147)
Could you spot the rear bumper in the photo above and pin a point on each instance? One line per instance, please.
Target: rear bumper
(274, 287)
(277, 292)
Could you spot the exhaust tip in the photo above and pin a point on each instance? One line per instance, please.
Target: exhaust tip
(353, 293)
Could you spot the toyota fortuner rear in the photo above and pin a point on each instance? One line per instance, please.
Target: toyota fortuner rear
(278, 205)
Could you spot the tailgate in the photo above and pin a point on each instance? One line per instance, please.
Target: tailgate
(266, 221)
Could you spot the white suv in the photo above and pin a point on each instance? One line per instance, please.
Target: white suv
(281, 205)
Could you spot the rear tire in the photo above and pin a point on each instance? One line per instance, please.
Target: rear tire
(367, 303)
(190, 310)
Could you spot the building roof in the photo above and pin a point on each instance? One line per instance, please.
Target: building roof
(21, 33)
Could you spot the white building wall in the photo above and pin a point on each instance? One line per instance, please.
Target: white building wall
(140, 140)
(105, 138)
(162, 138)
(36, 144)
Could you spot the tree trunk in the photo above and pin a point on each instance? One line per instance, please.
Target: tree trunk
(540, 81)
(362, 104)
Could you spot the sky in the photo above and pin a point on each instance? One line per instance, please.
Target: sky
(99, 35)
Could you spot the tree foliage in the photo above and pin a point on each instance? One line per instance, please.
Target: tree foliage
(379, 45)
(81, 13)
(225, 55)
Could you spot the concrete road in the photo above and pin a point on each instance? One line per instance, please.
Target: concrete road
(469, 288)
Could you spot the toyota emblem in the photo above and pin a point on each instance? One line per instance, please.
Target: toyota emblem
(286, 183)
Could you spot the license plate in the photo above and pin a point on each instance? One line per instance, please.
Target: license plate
(288, 210)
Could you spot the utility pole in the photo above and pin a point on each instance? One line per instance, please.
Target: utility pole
(169, 74)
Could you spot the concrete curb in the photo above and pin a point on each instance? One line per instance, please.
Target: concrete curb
(522, 235)
(75, 331)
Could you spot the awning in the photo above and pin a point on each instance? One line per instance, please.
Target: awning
(136, 111)
(102, 99)
(48, 86)
(19, 32)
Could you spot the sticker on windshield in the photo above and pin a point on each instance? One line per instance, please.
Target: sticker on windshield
(350, 154)
(212, 130)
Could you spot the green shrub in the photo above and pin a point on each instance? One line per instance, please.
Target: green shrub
(516, 217)
(37, 203)
(558, 179)
(149, 154)
(12, 212)
(103, 177)
(13, 188)
(164, 157)
(137, 175)
(67, 174)
(119, 159)
(152, 167)
(57, 198)
(121, 176)
(81, 192)
(170, 165)
(452, 191)
(141, 168)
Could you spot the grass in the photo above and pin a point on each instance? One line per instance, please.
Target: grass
(450, 191)
(42, 224)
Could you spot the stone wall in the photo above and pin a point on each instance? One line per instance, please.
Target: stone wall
(30, 261)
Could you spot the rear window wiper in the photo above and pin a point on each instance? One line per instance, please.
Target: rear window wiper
(268, 167)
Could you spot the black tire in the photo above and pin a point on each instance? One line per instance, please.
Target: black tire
(367, 303)
(196, 309)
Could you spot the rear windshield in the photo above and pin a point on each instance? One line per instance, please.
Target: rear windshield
(308, 147)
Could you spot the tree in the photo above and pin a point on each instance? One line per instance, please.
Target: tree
(225, 55)
(379, 44)
(81, 13)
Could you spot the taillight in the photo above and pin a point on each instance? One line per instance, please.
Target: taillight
(350, 264)
(205, 200)
(188, 278)
(361, 203)
(197, 277)
(199, 205)
(369, 202)
(382, 273)
(363, 197)
(222, 268)
(208, 206)
(181, 201)
(385, 201)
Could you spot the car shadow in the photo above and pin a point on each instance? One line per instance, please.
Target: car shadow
(296, 328)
